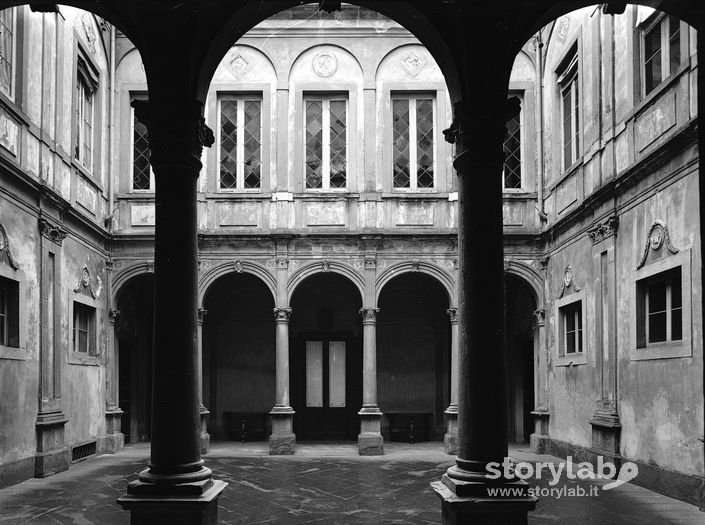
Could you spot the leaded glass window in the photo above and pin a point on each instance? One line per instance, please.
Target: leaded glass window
(86, 85)
(661, 51)
(512, 154)
(326, 142)
(7, 50)
(413, 142)
(240, 144)
(570, 112)
(141, 171)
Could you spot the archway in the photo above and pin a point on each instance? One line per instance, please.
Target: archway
(238, 357)
(326, 357)
(413, 357)
(521, 339)
(134, 341)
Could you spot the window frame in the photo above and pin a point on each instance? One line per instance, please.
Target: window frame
(522, 172)
(561, 306)
(325, 181)
(132, 188)
(18, 352)
(650, 273)
(567, 75)
(663, 22)
(413, 175)
(76, 357)
(240, 97)
(88, 76)
(13, 57)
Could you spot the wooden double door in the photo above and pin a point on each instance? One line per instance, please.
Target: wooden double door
(327, 380)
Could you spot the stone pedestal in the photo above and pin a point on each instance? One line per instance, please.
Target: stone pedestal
(606, 431)
(52, 453)
(282, 442)
(205, 436)
(195, 504)
(539, 440)
(370, 441)
(450, 439)
(114, 438)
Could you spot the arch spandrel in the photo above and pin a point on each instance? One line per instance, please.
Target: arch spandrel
(322, 267)
(126, 275)
(530, 276)
(441, 276)
(212, 275)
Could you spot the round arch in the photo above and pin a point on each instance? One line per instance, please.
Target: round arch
(124, 277)
(530, 276)
(443, 278)
(310, 49)
(237, 266)
(322, 267)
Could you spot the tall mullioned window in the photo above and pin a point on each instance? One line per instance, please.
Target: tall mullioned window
(512, 155)
(570, 111)
(240, 143)
(86, 85)
(141, 171)
(7, 50)
(326, 142)
(661, 51)
(413, 142)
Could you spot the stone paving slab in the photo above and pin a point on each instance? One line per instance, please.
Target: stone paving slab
(321, 484)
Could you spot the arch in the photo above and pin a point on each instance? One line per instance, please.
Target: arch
(236, 266)
(440, 275)
(528, 275)
(384, 61)
(124, 277)
(296, 64)
(321, 267)
(251, 73)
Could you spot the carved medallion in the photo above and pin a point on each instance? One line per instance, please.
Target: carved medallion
(325, 64)
(413, 63)
(325, 266)
(237, 265)
(239, 65)
(657, 237)
(5, 251)
(86, 286)
(89, 31)
(568, 281)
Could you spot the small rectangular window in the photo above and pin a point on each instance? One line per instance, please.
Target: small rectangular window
(512, 155)
(326, 142)
(413, 142)
(240, 143)
(660, 308)
(7, 51)
(571, 318)
(9, 313)
(661, 52)
(84, 329)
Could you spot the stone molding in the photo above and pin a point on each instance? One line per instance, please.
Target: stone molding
(603, 230)
(6, 251)
(658, 236)
(54, 232)
(282, 315)
(85, 283)
(369, 315)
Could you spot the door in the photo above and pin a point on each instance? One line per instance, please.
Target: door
(325, 403)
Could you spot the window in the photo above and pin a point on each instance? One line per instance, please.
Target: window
(571, 318)
(7, 50)
(141, 169)
(570, 111)
(661, 51)
(9, 313)
(413, 142)
(86, 84)
(326, 142)
(660, 308)
(84, 329)
(512, 155)
(240, 143)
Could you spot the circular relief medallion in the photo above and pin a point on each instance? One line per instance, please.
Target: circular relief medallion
(656, 238)
(568, 277)
(325, 64)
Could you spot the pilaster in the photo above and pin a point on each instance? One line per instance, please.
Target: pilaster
(450, 439)
(202, 410)
(114, 439)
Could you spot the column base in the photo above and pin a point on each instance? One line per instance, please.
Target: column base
(52, 454)
(191, 504)
(370, 441)
(539, 440)
(606, 431)
(114, 440)
(205, 436)
(282, 442)
(450, 439)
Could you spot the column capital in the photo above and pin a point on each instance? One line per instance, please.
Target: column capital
(177, 133)
(202, 312)
(453, 314)
(369, 315)
(282, 315)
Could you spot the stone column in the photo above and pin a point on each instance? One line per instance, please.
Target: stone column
(369, 441)
(202, 410)
(177, 487)
(282, 441)
(478, 130)
(114, 439)
(450, 440)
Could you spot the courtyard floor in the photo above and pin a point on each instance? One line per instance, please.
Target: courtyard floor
(322, 483)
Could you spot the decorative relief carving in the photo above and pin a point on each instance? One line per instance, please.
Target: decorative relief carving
(5, 251)
(325, 266)
(370, 263)
(415, 265)
(543, 261)
(562, 31)
(282, 314)
(89, 31)
(54, 232)
(568, 281)
(85, 285)
(604, 230)
(413, 63)
(369, 315)
(658, 236)
(325, 64)
(453, 314)
(150, 266)
(109, 265)
(114, 316)
(237, 266)
(282, 263)
(606, 405)
(202, 315)
(359, 264)
(540, 316)
(239, 65)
